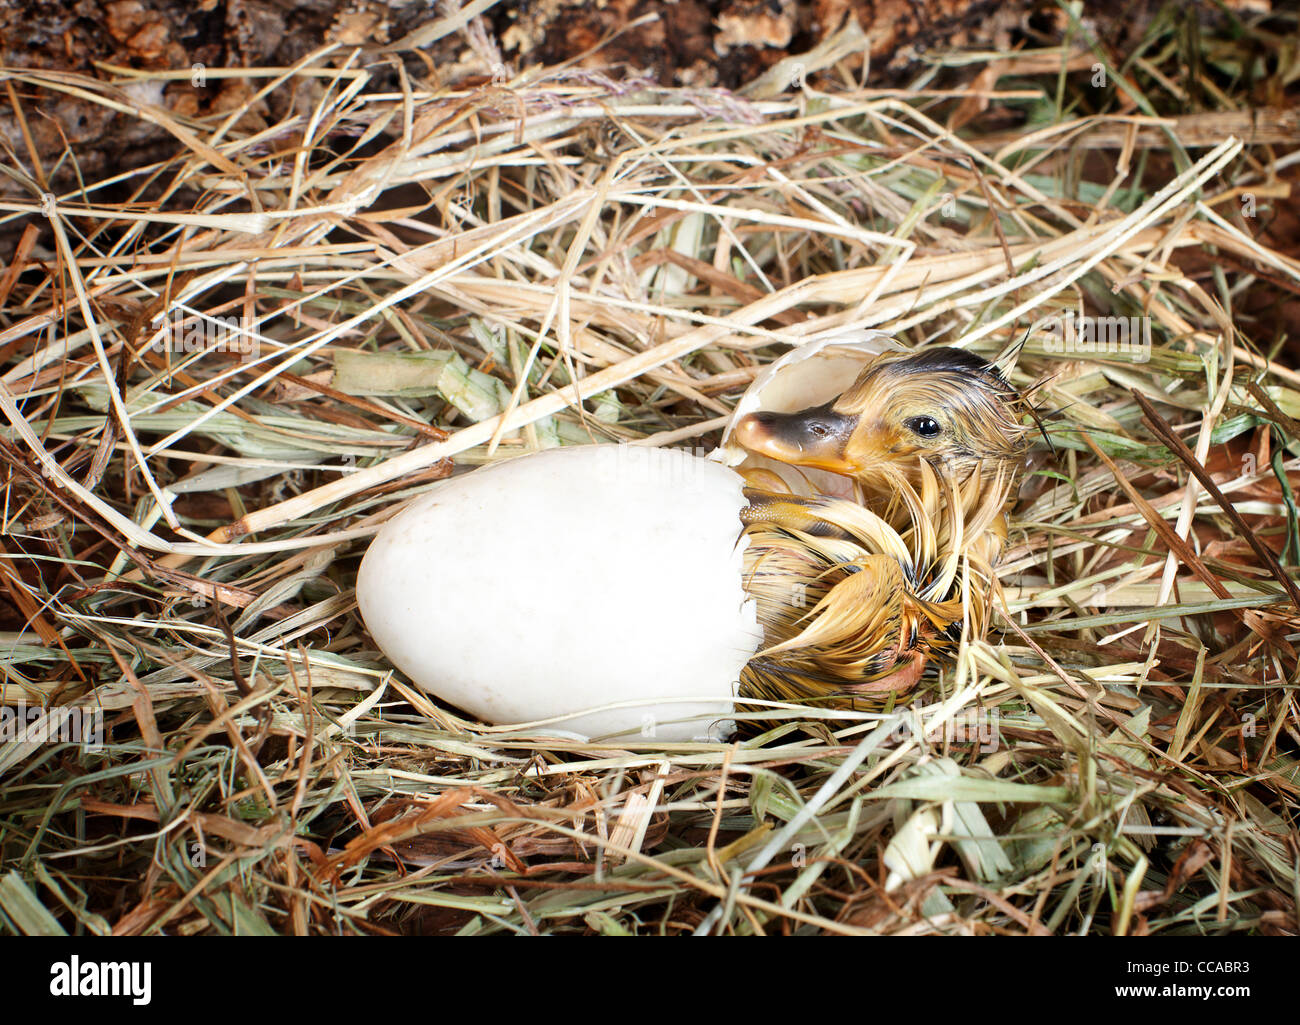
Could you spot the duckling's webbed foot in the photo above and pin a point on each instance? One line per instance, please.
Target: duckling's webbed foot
(787, 513)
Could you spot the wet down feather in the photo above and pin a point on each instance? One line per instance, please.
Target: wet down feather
(855, 597)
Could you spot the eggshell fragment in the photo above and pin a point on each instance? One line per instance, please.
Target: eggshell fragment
(567, 580)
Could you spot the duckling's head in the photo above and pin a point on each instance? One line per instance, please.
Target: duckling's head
(945, 406)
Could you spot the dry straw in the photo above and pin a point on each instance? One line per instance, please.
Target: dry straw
(564, 257)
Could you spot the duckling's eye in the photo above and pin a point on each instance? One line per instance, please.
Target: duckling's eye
(818, 429)
(925, 426)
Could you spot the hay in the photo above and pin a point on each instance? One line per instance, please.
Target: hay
(572, 258)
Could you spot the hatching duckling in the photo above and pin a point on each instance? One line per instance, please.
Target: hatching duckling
(854, 598)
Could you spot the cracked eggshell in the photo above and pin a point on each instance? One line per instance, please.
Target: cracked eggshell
(567, 580)
(809, 375)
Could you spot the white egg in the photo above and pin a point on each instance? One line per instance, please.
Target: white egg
(568, 581)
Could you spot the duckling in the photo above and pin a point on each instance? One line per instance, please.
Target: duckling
(855, 597)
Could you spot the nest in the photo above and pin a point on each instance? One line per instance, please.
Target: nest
(219, 374)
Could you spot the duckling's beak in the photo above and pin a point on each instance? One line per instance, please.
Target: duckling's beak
(817, 437)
